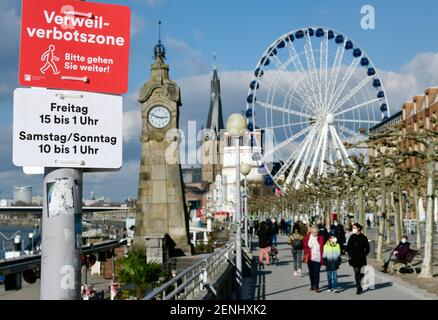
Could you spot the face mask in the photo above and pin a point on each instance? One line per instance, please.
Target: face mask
(355, 231)
(403, 240)
(336, 223)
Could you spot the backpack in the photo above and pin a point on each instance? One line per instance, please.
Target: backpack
(297, 244)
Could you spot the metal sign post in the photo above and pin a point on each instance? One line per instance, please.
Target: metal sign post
(61, 235)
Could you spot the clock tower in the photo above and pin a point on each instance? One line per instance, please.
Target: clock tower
(161, 205)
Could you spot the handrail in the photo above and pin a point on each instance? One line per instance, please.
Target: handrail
(11, 237)
(194, 278)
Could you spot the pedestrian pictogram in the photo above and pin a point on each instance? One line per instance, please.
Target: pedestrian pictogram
(49, 58)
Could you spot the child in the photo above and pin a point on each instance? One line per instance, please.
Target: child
(332, 260)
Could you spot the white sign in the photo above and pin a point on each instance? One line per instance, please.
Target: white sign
(60, 128)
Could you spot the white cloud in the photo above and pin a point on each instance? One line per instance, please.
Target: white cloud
(117, 185)
(415, 77)
(131, 125)
(138, 24)
(186, 59)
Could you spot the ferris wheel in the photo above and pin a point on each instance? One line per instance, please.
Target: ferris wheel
(314, 90)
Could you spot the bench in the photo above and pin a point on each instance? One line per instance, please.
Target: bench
(398, 264)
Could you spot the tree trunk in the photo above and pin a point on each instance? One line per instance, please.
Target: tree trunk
(417, 218)
(397, 208)
(362, 208)
(328, 215)
(402, 211)
(381, 227)
(427, 267)
(388, 219)
(139, 292)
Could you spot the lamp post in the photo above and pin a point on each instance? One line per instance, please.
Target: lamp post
(236, 126)
(245, 170)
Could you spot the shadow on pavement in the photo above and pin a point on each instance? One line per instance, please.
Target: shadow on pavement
(286, 290)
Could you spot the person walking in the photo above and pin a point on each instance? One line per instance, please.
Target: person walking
(358, 249)
(264, 242)
(337, 230)
(296, 241)
(274, 226)
(282, 227)
(348, 234)
(251, 226)
(313, 244)
(332, 260)
(322, 229)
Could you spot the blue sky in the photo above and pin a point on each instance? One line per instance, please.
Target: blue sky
(403, 46)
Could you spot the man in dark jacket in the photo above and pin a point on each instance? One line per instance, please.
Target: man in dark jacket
(322, 230)
(337, 230)
(274, 232)
(265, 235)
(358, 249)
(399, 253)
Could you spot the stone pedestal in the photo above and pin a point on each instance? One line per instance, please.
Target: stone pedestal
(157, 249)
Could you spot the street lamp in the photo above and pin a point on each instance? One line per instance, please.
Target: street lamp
(236, 126)
(245, 169)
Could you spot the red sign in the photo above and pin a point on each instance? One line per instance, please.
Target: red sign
(75, 45)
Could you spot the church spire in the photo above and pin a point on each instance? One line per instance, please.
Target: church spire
(215, 119)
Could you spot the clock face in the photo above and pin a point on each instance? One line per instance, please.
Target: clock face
(159, 117)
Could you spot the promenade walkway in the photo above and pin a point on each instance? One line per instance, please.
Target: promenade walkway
(277, 282)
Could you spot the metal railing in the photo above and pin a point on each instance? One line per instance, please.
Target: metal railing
(195, 278)
(26, 262)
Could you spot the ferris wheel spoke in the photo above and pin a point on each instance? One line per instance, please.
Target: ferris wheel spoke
(324, 64)
(334, 74)
(298, 65)
(284, 143)
(282, 68)
(305, 163)
(357, 106)
(350, 94)
(284, 93)
(282, 109)
(307, 141)
(300, 94)
(357, 121)
(288, 125)
(340, 145)
(318, 149)
(341, 86)
(300, 150)
(349, 131)
(312, 68)
(324, 149)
